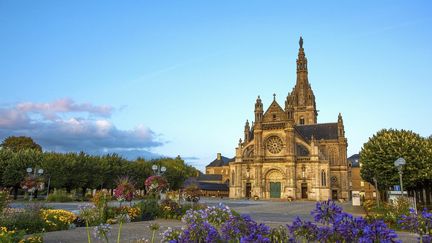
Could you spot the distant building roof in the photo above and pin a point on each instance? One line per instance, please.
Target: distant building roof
(213, 186)
(209, 177)
(220, 161)
(208, 186)
(318, 131)
(354, 160)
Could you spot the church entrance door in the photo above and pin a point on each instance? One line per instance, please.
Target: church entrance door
(304, 191)
(275, 189)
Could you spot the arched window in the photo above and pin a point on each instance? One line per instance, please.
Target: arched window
(232, 178)
(323, 178)
(302, 120)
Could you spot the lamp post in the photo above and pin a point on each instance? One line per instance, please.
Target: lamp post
(158, 170)
(399, 163)
(377, 195)
(36, 173)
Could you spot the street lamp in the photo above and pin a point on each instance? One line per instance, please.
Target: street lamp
(399, 163)
(158, 170)
(36, 173)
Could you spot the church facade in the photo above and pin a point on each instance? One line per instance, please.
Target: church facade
(286, 154)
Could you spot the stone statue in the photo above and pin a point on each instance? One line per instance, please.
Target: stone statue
(301, 42)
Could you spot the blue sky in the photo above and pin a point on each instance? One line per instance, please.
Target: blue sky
(181, 77)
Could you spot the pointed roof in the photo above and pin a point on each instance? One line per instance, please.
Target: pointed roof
(274, 112)
(274, 107)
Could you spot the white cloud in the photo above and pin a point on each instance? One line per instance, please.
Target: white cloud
(64, 126)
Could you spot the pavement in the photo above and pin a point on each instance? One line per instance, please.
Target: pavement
(272, 213)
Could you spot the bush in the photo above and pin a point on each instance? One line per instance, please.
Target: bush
(28, 220)
(4, 199)
(390, 213)
(57, 219)
(149, 209)
(170, 209)
(60, 196)
(7, 236)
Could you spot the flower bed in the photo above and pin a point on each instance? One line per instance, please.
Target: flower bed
(57, 219)
(331, 224)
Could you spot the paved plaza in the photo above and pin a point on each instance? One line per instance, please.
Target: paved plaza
(273, 213)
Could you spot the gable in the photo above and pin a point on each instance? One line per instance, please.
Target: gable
(274, 113)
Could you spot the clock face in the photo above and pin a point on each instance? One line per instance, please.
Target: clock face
(274, 144)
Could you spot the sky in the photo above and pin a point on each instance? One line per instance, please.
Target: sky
(148, 78)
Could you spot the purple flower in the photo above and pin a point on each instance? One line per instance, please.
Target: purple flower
(325, 212)
(418, 223)
(200, 232)
(303, 229)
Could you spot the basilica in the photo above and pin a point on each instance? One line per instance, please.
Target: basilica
(286, 154)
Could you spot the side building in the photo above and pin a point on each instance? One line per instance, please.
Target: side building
(365, 189)
(215, 182)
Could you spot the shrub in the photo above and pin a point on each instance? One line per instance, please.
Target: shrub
(134, 213)
(10, 236)
(57, 219)
(28, 220)
(4, 199)
(390, 213)
(149, 209)
(60, 196)
(170, 209)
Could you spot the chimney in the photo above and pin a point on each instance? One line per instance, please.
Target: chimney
(219, 156)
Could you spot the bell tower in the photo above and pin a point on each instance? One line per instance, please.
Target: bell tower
(301, 101)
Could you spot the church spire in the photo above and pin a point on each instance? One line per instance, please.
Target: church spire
(300, 103)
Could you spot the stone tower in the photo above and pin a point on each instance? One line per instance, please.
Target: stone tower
(301, 101)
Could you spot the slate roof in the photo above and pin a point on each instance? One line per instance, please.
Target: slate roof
(318, 131)
(213, 186)
(208, 186)
(354, 160)
(209, 177)
(220, 162)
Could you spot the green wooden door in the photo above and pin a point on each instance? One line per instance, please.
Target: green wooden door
(275, 189)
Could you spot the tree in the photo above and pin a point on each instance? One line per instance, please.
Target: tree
(177, 171)
(379, 153)
(5, 159)
(15, 170)
(20, 143)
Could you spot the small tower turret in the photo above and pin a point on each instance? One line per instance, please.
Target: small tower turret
(341, 129)
(259, 111)
(247, 132)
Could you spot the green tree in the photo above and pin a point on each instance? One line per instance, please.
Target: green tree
(15, 170)
(139, 171)
(5, 159)
(177, 171)
(20, 143)
(379, 153)
(113, 167)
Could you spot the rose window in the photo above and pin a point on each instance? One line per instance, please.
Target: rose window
(274, 144)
